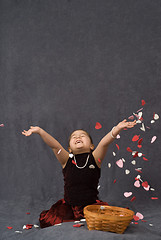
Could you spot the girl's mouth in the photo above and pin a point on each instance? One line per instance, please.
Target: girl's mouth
(78, 141)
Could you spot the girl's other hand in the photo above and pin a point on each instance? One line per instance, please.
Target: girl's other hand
(31, 130)
(125, 124)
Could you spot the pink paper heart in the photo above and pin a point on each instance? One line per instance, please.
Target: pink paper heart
(139, 215)
(127, 194)
(137, 183)
(120, 163)
(147, 188)
(153, 139)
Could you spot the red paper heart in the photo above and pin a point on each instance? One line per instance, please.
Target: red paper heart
(114, 181)
(117, 146)
(145, 184)
(128, 149)
(133, 199)
(153, 198)
(78, 225)
(136, 218)
(135, 138)
(28, 226)
(145, 159)
(140, 141)
(73, 162)
(135, 155)
(98, 125)
(139, 146)
(9, 227)
(143, 102)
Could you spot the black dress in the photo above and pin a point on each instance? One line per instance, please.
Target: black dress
(80, 189)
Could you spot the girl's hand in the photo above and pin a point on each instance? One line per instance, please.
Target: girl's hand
(31, 130)
(125, 124)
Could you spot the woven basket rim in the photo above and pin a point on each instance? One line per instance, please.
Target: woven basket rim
(106, 215)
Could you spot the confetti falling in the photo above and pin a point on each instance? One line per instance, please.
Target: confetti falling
(153, 139)
(59, 151)
(98, 125)
(9, 227)
(127, 194)
(120, 163)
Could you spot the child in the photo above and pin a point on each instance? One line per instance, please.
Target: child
(81, 170)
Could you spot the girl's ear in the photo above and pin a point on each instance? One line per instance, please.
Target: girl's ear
(92, 146)
(70, 150)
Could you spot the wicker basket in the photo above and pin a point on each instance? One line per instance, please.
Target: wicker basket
(107, 218)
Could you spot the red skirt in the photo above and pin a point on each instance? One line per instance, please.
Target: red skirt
(63, 212)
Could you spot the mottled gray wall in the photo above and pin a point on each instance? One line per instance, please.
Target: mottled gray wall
(69, 64)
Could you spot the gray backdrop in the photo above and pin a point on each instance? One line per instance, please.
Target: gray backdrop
(65, 65)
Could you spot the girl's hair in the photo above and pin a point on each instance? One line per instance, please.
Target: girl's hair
(80, 130)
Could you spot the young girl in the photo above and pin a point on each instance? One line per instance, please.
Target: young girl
(81, 170)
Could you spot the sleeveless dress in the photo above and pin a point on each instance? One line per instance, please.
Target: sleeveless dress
(80, 189)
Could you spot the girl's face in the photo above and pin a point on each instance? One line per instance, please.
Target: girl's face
(80, 142)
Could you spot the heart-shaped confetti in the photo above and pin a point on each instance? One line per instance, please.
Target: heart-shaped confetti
(139, 215)
(117, 146)
(145, 184)
(98, 125)
(127, 171)
(139, 110)
(140, 141)
(28, 226)
(133, 199)
(154, 198)
(109, 165)
(2, 125)
(156, 116)
(147, 188)
(118, 136)
(120, 163)
(152, 121)
(136, 218)
(153, 139)
(140, 114)
(133, 162)
(78, 225)
(74, 162)
(137, 183)
(142, 127)
(135, 138)
(127, 194)
(71, 155)
(9, 227)
(145, 159)
(114, 181)
(114, 154)
(128, 149)
(143, 102)
(135, 155)
(99, 160)
(138, 170)
(59, 151)
(131, 117)
(140, 154)
(139, 146)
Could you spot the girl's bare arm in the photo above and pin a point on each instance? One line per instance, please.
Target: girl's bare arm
(61, 154)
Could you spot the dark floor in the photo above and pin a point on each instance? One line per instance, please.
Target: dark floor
(13, 214)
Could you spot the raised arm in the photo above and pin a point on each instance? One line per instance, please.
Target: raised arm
(100, 151)
(61, 154)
